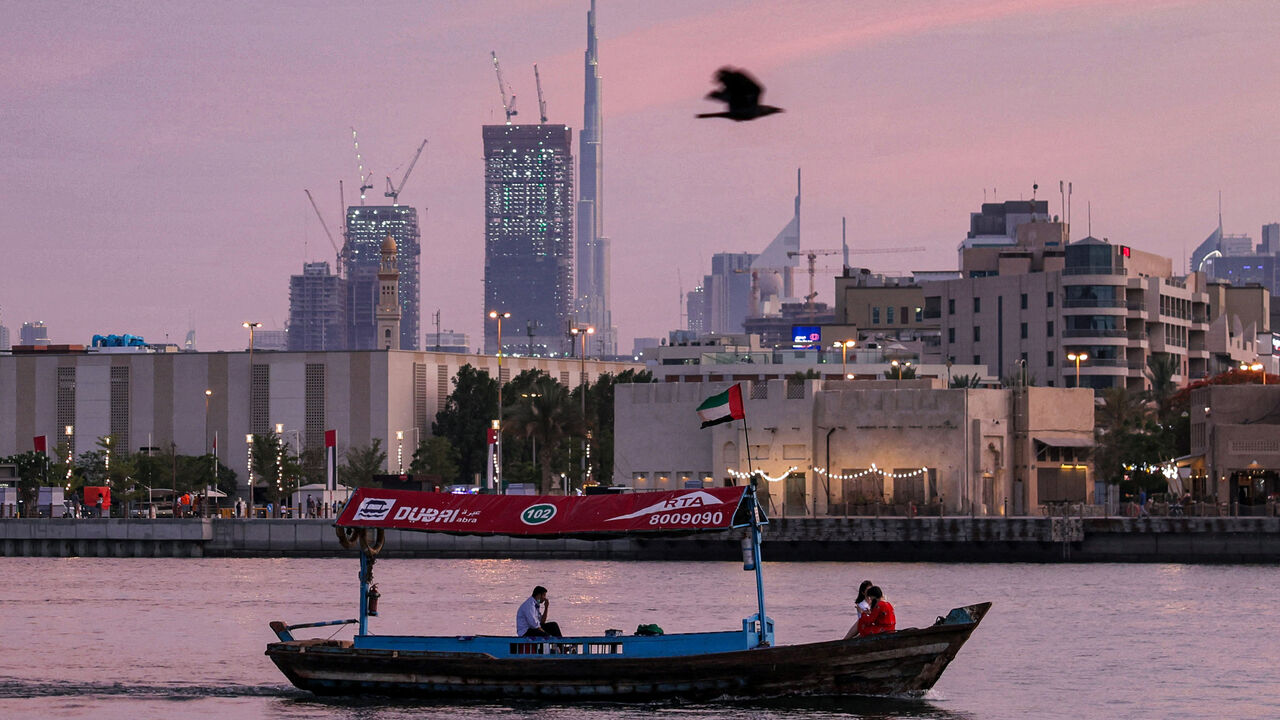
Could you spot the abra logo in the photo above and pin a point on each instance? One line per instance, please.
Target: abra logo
(538, 514)
(374, 509)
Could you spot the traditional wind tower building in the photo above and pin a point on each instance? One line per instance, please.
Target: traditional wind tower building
(388, 312)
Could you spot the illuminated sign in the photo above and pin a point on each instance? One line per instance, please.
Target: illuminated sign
(1124, 250)
(806, 336)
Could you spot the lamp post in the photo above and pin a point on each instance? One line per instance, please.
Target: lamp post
(1077, 358)
(497, 426)
(248, 438)
(68, 431)
(898, 368)
(844, 356)
(1256, 367)
(204, 495)
(251, 327)
(399, 452)
(582, 334)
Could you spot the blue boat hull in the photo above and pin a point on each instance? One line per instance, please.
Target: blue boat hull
(905, 663)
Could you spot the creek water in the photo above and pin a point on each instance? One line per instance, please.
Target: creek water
(184, 638)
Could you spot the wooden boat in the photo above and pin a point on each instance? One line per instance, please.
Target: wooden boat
(743, 663)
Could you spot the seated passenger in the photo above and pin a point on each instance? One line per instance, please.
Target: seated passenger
(880, 618)
(532, 622)
(862, 606)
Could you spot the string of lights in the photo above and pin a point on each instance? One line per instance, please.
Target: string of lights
(873, 470)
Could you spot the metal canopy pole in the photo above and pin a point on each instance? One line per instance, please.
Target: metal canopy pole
(366, 574)
(755, 553)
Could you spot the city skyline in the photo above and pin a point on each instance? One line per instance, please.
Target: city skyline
(157, 165)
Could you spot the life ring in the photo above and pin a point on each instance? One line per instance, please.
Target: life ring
(347, 536)
(372, 549)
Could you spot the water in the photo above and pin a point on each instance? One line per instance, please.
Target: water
(181, 638)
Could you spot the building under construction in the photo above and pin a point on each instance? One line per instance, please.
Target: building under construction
(366, 228)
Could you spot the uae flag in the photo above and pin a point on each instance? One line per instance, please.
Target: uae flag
(722, 408)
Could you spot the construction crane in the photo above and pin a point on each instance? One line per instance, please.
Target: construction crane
(508, 106)
(337, 250)
(812, 256)
(366, 180)
(542, 104)
(393, 191)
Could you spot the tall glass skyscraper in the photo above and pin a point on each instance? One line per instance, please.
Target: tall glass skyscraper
(367, 227)
(528, 236)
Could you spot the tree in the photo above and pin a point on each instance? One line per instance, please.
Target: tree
(275, 465)
(1124, 434)
(33, 469)
(600, 415)
(436, 456)
(547, 416)
(1161, 369)
(966, 381)
(363, 462)
(467, 416)
(901, 371)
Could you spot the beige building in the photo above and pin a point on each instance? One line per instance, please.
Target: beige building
(143, 399)
(1027, 307)
(1235, 444)
(838, 447)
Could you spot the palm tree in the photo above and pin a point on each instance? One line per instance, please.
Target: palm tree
(1161, 369)
(966, 381)
(547, 415)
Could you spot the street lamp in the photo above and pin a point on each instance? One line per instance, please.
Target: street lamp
(69, 431)
(249, 386)
(1077, 358)
(204, 496)
(248, 438)
(582, 334)
(399, 452)
(497, 426)
(844, 356)
(1256, 367)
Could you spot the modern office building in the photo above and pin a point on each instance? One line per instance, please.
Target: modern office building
(592, 269)
(367, 227)
(729, 295)
(33, 333)
(448, 341)
(142, 398)
(4, 338)
(529, 247)
(317, 310)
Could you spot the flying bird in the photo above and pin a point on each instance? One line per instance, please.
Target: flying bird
(741, 93)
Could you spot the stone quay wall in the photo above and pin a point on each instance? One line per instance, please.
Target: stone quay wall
(945, 539)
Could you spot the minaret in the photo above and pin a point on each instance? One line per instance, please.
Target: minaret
(592, 262)
(388, 311)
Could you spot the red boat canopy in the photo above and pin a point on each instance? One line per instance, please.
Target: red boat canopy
(547, 516)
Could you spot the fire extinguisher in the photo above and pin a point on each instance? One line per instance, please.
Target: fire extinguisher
(372, 599)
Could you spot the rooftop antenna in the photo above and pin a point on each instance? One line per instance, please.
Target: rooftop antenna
(1068, 209)
(680, 303)
(436, 316)
(1062, 195)
(844, 245)
(542, 104)
(1090, 208)
(366, 180)
(1219, 212)
(508, 105)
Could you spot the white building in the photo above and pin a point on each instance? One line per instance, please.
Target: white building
(153, 399)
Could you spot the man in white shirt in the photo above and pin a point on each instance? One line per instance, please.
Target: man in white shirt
(531, 618)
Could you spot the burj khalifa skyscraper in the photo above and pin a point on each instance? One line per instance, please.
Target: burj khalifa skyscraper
(592, 252)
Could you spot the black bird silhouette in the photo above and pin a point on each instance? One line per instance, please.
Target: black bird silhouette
(741, 93)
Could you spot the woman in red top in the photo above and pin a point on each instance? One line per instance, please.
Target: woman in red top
(880, 618)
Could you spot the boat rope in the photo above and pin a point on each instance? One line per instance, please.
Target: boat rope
(347, 536)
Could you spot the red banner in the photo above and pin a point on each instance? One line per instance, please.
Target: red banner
(677, 511)
(41, 443)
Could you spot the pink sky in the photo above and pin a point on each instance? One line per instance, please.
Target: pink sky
(154, 154)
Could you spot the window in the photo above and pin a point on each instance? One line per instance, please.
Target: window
(977, 334)
(1024, 326)
(875, 316)
(1024, 301)
(888, 315)
(902, 315)
(951, 335)
(1049, 328)
(1049, 361)
(977, 359)
(1048, 299)
(919, 314)
(951, 306)
(977, 304)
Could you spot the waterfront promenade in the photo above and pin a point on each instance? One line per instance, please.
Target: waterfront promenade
(861, 539)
